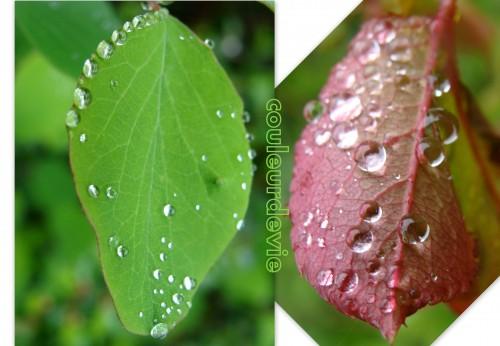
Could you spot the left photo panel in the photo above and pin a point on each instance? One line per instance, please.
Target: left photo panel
(138, 135)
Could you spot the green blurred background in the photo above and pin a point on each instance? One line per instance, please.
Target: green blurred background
(61, 297)
(478, 36)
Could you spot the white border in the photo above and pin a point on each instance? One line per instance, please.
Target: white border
(7, 174)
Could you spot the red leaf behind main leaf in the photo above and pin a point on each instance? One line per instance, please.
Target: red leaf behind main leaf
(377, 229)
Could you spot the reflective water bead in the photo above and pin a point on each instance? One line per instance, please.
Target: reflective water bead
(72, 119)
(113, 84)
(447, 124)
(370, 212)
(367, 51)
(177, 298)
(204, 158)
(197, 207)
(312, 110)
(141, 314)
(322, 138)
(157, 274)
(189, 283)
(127, 27)
(121, 251)
(441, 86)
(171, 279)
(119, 37)
(81, 98)
(345, 107)
(89, 68)
(104, 50)
(138, 22)
(170, 245)
(431, 152)
(325, 278)
(414, 230)
(240, 224)
(359, 240)
(209, 43)
(401, 54)
(239, 157)
(252, 154)
(345, 135)
(168, 210)
(321, 242)
(159, 331)
(93, 191)
(163, 257)
(83, 138)
(111, 192)
(370, 156)
(347, 282)
(243, 186)
(113, 240)
(246, 117)
(219, 113)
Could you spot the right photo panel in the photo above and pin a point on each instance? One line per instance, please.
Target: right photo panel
(391, 180)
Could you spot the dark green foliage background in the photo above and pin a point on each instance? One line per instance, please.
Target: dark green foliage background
(61, 297)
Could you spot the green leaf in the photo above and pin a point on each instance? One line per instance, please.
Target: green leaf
(163, 126)
(41, 102)
(65, 31)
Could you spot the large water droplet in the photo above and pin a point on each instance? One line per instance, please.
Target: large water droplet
(447, 124)
(359, 240)
(138, 22)
(159, 331)
(345, 107)
(104, 50)
(177, 298)
(72, 118)
(370, 156)
(168, 210)
(157, 274)
(431, 152)
(345, 135)
(81, 98)
(119, 37)
(312, 110)
(414, 230)
(127, 27)
(322, 138)
(325, 278)
(370, 212)
(189, 283)
(93, 191)
(347, 281)
(121, 251)
(89, 68)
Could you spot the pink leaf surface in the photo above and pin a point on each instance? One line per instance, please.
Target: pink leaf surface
(377, 229)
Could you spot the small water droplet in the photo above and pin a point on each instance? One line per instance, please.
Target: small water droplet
(370, 156)
(414, 230)
(312, 110)
(240, 224)
(347, 282)
(359, 240)
(401, 54)
(81, 98)
(250, 137)
(163, 257)
(321, 242)
(159, 331)
(161, 291)
(388, 306)
(239, 157)
(171, 279)
(72, 119)
(163, 305)
(177, 298)
(373, 267)
(447, 124)
(434, 277)
(111, 192)
(243, 186)
(370, 299)
(169, 310)
(104, 50)
(324, 224)
(204, 158)
(325, 278)
(246, 117)
(119, 37)
(182, 38)
(114, 84)
(138, 22)
(252, 154)
(93, 191)
(339, 256)
(170, 245)
(431, 152)
(441, 86)
(127, 27)
(345, 107)
(163, 240)
(322, 138)
(157, 274)
(168, 210)
(121, 251)
(209, 43)
(367, 51)
(370, 212)
(89, 68)
(141, 314)
(189, 283)
(345, 135)
(197, 207)
(83, 138)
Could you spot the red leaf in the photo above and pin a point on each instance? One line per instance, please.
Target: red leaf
(377, 228)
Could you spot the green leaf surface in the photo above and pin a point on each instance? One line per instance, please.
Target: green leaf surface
(42, 92)
(163, 126)
(56, 28)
